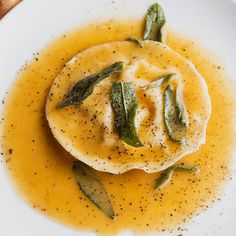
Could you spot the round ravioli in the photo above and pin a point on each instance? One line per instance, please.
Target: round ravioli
(88, 130)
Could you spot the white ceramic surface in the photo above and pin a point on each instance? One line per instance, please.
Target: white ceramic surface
(34, 23)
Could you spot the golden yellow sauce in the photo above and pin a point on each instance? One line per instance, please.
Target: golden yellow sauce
(41, 169)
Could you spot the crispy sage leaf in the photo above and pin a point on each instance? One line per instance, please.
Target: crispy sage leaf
(155, 20)
(174, 115)
(159, 81)
(166, 175)
(124, 104)
(181, 109)
(93, 188)
(135, 40)
(84, 88)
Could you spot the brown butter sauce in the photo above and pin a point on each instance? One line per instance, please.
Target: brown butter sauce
(41, 169)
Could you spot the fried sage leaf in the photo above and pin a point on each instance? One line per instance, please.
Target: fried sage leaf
(93, 188)
(165, 177)
(182, 114)
(155, 21)
(135, 40)
(84, 88)
(159, 81)
(124, 104)
(174, 115)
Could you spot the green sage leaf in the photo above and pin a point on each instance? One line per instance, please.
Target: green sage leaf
(93, 188)
(135, 40)
(84, 88)
(124, 104)
(166, 175)
(155, 21)
(159, 81)
(182, 114)
(174, 115)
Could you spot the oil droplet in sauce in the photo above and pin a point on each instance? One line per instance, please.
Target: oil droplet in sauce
(42, 171)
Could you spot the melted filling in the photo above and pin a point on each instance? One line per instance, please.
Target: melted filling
(42, 170)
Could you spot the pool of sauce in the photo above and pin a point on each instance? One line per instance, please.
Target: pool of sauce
(42, 171)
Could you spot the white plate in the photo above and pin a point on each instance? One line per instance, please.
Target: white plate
(33, 23)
